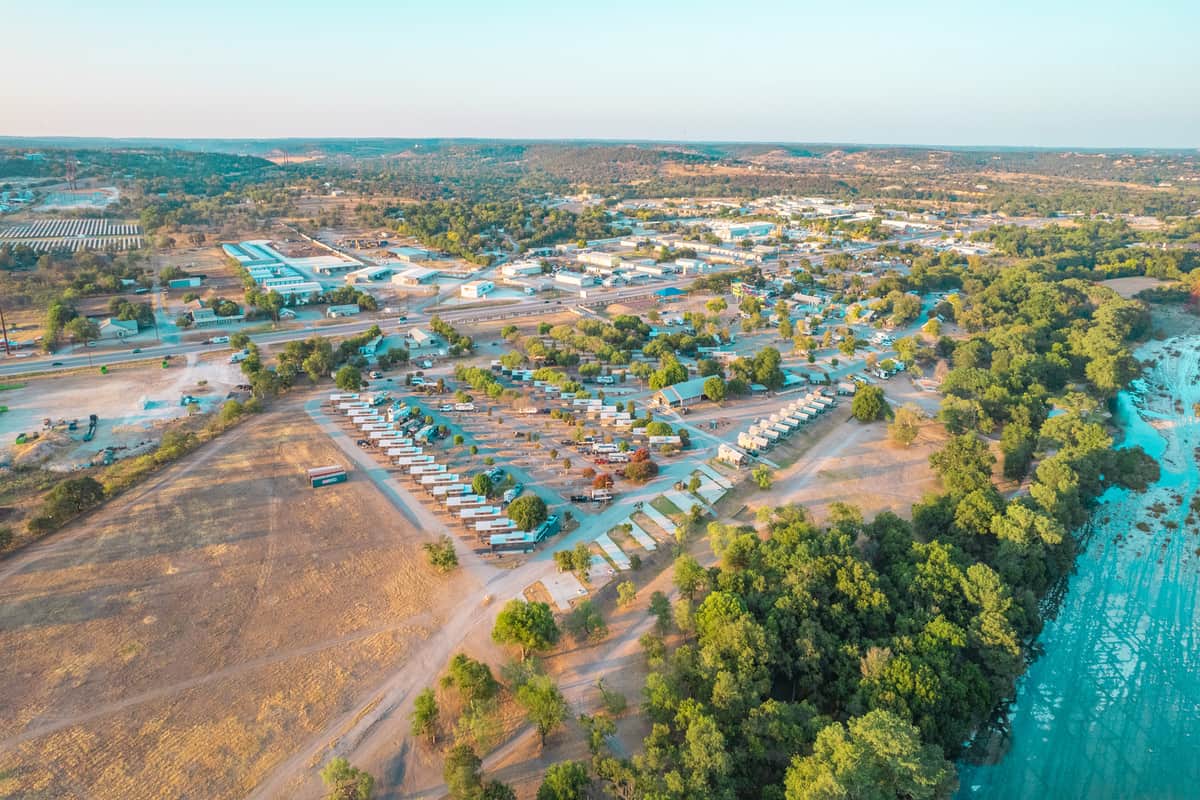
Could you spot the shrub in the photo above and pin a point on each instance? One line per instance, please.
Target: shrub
(641, 471)
(441, 554)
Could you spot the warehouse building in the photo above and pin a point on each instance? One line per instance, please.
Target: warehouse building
(414, 276)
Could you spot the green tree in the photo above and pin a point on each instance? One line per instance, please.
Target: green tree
(669, 373)
(461, 773)
(528, 511)
(482, 484)
(320, 361)
(495, 790)
(346, 782)
(529, 626)
(566, 780)
(584, 622)
(348, 378)
(868, 404)
(763, 477)
(877, 756)
(473, 679)
(964, 464)
(660, 609)
(689, 576)
(544, 704)
(905, 425)
(714, 388)
(425, 715)
(82, 329)
(626, 593)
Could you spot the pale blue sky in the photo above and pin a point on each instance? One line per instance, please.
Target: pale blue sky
(1015, 72)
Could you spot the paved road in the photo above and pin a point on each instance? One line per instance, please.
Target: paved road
(83, 358)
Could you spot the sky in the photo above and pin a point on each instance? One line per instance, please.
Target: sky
(1061, 73)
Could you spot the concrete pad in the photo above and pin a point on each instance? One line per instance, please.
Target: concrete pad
(659, 519)
(683, 500)
(600, 572)
(717, 477)
(563, 588)
(710, 491)
(613, 552)
(641, 537)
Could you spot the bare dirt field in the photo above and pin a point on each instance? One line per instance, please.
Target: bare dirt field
(1128, 287)
(187, 637)
(132, 401)
(856, 464)
(220, 279)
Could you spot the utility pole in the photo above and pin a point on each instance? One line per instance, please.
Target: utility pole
(4, 333)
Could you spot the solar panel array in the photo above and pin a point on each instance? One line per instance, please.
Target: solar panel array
(72, 245)
(64, 228)
(71, 235)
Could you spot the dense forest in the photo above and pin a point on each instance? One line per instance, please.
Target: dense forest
(856, 659)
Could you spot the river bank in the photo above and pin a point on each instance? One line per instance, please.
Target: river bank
(1111, 709)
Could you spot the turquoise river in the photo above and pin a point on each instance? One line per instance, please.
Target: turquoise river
(1111, 708)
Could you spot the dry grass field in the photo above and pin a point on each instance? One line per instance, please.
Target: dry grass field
(187, 637)
(856, 464)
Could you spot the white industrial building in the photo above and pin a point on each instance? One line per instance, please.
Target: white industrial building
(476, 290)
(690, 266)
(373, 273)
(736, 231)
(574, 279)
(598, 259)
(521, 269)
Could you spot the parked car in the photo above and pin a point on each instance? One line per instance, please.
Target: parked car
(363, 443)
(513, 493)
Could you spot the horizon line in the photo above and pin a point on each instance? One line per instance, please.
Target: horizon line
(602, 139)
